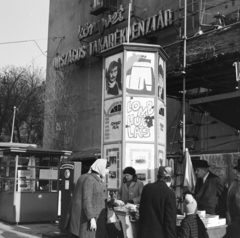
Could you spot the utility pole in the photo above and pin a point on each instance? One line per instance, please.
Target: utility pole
(14, 113)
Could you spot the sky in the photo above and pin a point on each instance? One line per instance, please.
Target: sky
(23, 20)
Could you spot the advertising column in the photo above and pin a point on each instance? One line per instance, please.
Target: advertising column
(134, 118)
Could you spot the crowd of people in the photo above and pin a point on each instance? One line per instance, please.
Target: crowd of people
(87, 214)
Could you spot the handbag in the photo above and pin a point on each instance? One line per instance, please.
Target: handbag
(114, 225)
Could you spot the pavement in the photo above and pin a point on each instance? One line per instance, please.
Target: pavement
(27, 230)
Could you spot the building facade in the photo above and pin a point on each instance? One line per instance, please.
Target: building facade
(80, 30)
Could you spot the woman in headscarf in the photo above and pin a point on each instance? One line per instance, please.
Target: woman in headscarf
(131, 189)
(87, 212)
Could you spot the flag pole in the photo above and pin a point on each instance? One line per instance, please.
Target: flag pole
(184, 75)
(129, 20)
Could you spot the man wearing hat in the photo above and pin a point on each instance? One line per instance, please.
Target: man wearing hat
(233, 199)
(209, 192)
(157, 213)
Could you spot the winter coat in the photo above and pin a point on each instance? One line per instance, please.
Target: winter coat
(88, 201)
(233, 200)
(93, 206)
(133, 192)
(192, 227)
(72, 223)
(211, 197)
(157, 212)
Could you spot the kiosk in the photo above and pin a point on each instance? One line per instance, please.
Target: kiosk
(29, 183)
(134, 110)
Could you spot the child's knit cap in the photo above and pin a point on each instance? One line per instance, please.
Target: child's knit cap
(190, 204)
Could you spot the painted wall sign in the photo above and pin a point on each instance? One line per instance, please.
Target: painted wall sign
(139, 119)
(152, 24)
(99, 26)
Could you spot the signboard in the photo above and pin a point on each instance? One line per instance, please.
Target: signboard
(161, 127)
(139, 119)
(48, 174)
(113, 75)
(140, 78)
(161, 80)
(24, 182)
(112, 120)
(141, 157)
(113, 154)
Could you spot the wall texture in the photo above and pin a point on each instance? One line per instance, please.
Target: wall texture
(84, 90)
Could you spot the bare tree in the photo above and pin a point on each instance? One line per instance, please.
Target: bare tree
(60, 109)
(22, 87)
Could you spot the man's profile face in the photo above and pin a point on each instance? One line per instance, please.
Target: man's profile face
(113, 74)
(200, 172)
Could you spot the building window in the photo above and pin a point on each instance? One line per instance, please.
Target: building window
(100, 6)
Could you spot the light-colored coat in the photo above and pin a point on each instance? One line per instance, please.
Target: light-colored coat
(133, 192)
(89, 201)
(93, 206)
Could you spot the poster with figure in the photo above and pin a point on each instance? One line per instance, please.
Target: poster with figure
(113, 154)
(112, 126)
(161, 79)
(113, 75)
(140, 78)
(139, 119)
(161, 127)
(141, 158)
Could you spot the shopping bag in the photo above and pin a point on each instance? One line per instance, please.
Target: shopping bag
(114, 225)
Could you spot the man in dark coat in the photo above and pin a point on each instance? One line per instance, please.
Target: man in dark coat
(72, 223)
(157, 213)
(210, 192)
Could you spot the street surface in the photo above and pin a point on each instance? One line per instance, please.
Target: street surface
(26, 230)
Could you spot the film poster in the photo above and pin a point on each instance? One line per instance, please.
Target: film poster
(113, 76)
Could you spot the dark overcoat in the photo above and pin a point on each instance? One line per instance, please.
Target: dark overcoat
(93, 206)
(211, 197)
(157, 213)
(133, 192)
(72, 223)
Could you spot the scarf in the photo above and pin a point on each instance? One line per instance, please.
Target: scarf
(99, 166)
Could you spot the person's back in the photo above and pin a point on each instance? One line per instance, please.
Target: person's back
(157, 213)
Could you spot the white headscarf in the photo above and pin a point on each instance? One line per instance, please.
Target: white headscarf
(99, 166)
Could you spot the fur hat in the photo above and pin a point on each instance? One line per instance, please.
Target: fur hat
(129, 170)
(190, 204)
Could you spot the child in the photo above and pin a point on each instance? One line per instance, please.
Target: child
(192, 226)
